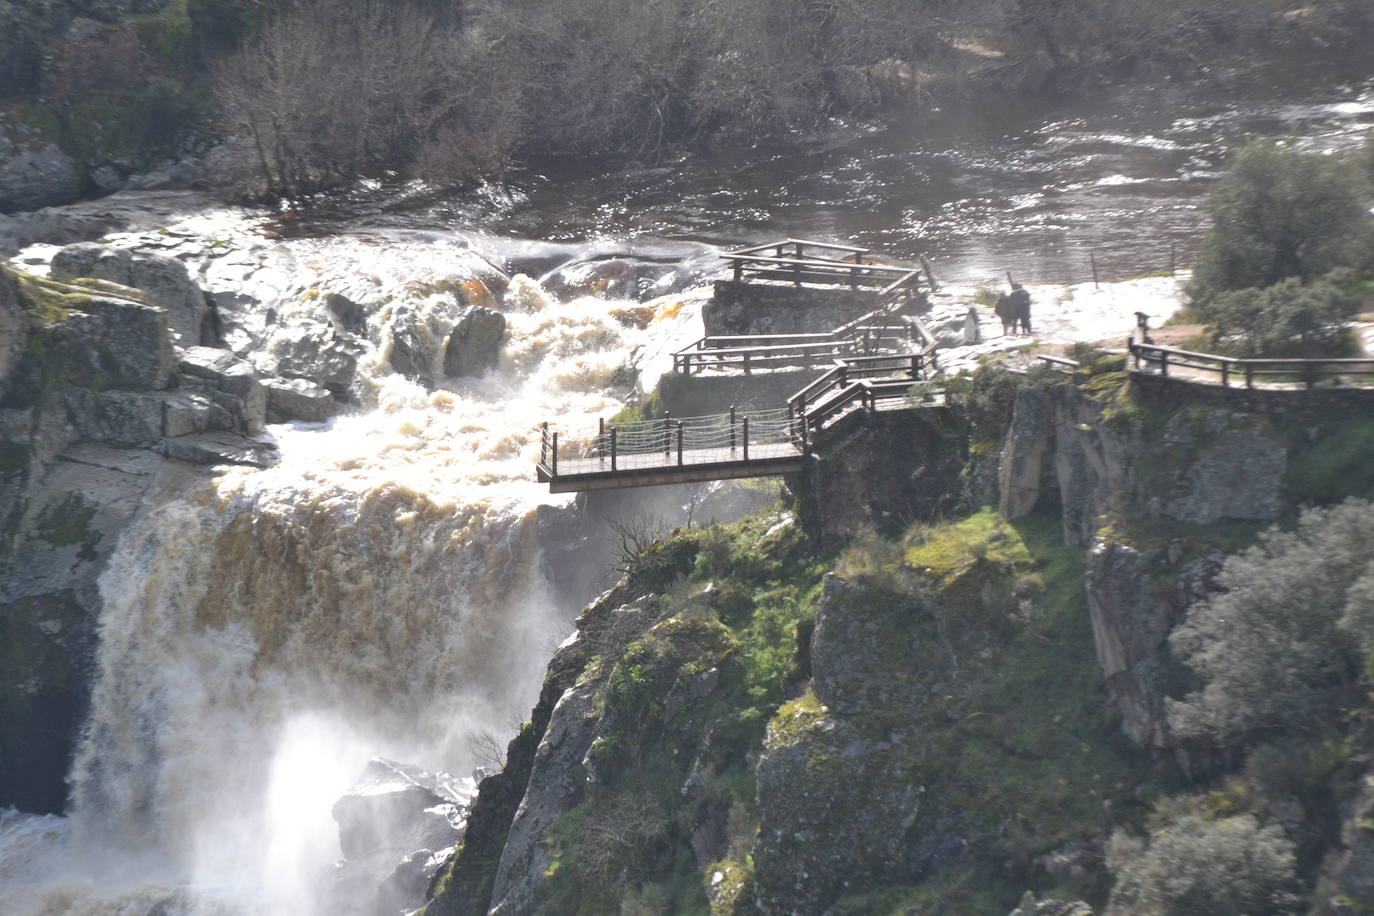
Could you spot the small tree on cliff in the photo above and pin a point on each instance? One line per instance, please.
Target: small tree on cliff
(1280, 213)
(1275, 647)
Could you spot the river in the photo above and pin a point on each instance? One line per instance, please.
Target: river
(380, 591)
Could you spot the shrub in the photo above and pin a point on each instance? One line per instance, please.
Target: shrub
(1271, 647)
(1287, 319)
(1280, 213)
(1200, 867)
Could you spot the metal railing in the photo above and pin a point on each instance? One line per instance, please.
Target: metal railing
(864, 380)
(882, 330)
(668, 441)
(799, 261)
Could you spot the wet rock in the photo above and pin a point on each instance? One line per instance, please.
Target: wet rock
(475, 344)
(610, 278)
(165, 282)
(34, 172)
(317, 354)
(297, 399)
(399, 808)
(80, 501)
(230, 381)
(220, 447)
(396, 827)
(351, 315)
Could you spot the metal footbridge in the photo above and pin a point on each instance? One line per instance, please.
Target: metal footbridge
(870, 363)
(761, 443)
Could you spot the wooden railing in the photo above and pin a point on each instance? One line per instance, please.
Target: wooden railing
(789, 261)
(1305, 372)
(866, 379)
(884, 328)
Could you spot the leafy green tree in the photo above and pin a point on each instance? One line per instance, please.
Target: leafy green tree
(1286, 319)
(1275, 645)
(1280, 213)
(1201, 867)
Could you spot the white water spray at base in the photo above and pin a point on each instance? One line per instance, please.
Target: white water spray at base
(378, 593)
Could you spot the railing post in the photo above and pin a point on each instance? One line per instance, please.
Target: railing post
(916, 365)
(679, 443)
(738, 266)
(667, 436)
(732, 429)
(796, 271)
(844, 376)
(746, 438)
(612, 448)
(1309, 374)
(746, 362)
(544, 444)
(806, 438)
(555, 455)
(1249, 376)
(1226, 375)
(601, 439)
(1164, 363)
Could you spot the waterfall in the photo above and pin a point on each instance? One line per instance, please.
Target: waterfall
(378, 592)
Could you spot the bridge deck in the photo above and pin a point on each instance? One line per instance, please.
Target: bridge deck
(652, 469)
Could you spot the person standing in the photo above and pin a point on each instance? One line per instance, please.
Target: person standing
(1020, 304)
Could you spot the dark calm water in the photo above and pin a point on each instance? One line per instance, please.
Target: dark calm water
(1031, 192)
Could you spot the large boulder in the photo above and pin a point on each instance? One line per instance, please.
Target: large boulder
(92, 333)
(297, 399)
(164, 281)
(397, 807)
(217, 448)
(837, 800)
(229, 381)
(317, 354)
(34, 172)
(397, 825)
(475, 344)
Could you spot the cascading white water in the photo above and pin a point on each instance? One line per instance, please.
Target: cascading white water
(376, 593)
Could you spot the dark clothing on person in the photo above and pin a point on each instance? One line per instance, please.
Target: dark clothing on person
(1019, 303)
(1006, 313)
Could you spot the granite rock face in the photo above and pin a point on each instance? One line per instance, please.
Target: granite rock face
(830, 830)
(227, 380)
(1233, 468)
(163, 280)
(297, 399)
(34, 172)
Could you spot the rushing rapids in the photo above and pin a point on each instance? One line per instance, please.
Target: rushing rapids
(377, 592)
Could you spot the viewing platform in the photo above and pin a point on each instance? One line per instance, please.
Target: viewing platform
(866, 363)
